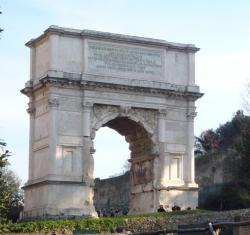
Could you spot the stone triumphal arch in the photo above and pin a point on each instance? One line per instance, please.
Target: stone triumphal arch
(81, 80)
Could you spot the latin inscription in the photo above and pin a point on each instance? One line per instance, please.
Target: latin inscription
(111, 58)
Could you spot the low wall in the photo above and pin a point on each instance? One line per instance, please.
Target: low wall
(112, 193)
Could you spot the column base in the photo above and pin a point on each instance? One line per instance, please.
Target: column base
(191, 185)
(53, 199)
(185, 197)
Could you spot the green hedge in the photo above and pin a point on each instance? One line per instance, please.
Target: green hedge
(67, 226)
(64, 226)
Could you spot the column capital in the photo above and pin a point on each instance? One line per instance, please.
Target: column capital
(87, 105)
(191, 115)
(31, 110)
(162, 113)
(53, 101)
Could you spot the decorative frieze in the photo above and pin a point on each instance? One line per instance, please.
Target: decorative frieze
(138, 86)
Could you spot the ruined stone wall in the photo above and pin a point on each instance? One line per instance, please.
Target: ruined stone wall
(215, 174)
(112, 193)
(211, 172)
(216, 169)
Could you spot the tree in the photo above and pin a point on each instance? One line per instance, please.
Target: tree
(226, 136)
(11, 197)
(207, 142)
(231, 143)
(229, 134)
(244, 149)
(3, 155)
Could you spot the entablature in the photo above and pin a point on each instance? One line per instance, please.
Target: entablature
(130, 85)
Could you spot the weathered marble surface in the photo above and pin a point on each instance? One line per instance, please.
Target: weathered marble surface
(143, 88)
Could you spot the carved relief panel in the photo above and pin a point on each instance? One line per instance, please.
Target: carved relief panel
(142, 172)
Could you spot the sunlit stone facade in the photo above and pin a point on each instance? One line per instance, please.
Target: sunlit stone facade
(81, 80)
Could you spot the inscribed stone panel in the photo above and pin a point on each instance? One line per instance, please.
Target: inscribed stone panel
(107, 58)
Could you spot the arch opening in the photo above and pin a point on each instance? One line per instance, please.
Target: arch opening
(140, 143)
(112, 152)
(115, 193)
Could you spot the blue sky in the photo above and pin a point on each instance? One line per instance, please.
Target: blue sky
(220, 28)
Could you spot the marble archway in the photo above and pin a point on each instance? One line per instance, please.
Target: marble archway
(81, 80)
(142, 144)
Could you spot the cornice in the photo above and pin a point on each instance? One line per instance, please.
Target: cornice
(176, 91)
(51, 182)
(92, 34)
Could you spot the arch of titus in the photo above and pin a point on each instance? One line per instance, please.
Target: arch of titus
(82, 80)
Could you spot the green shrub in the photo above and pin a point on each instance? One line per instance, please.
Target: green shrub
(67, 226)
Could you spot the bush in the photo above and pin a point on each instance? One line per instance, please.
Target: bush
(105, 224)
(64, 226)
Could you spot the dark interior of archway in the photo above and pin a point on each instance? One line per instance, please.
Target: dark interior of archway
(139, 140)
